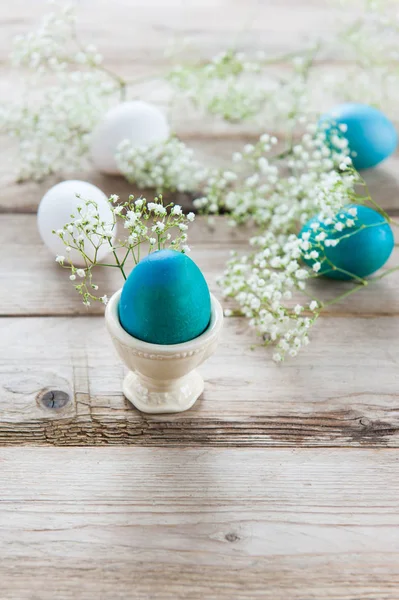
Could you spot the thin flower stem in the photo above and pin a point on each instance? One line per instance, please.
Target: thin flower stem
(344, 295)
(118, 264)
(360, 286)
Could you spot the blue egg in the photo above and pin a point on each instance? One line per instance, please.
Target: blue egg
(165, 299)
(359, 254)
(370, 134)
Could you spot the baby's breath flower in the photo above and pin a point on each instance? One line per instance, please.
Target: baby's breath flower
(176, 210)
(89, 226)
(172, 166)
(53, 129)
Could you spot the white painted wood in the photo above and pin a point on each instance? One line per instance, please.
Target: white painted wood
(36, 285)
(172, 523)
(342, 390)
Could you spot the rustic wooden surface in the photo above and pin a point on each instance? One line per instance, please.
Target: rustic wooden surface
(282, 482)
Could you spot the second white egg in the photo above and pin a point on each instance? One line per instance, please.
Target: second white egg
(55, 210)
(141, 123)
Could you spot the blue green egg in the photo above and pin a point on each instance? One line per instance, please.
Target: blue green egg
(165, 299)
(371, 135)
(363, 248)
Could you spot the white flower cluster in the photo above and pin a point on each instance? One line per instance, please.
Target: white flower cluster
(52, 128)
(322, 235)
(148, 224)
(370, 44)
(278, 199)
(168, 165)
(47, 47)
(219, 86)
(264, 284)
(268, 284)
(225, 86)
(53, 133)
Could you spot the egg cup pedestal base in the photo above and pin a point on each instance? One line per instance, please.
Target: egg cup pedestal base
(163, 378)
(156, 397)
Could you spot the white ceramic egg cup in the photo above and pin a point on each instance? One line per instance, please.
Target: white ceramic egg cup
(161, 378)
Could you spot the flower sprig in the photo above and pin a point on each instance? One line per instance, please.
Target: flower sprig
(145, 224)
(272, 285)
(280, 190)
(53, 128)
(224, 86)
(167, 166)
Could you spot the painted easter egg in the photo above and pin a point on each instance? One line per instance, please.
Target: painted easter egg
(364, 247)
(370, 134)
(139, 122)
(165, 299)
(56, 208)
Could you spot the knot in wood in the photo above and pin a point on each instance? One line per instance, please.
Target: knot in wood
(53, 399)
(231, 537)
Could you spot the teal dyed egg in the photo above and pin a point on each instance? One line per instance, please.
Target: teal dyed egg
(370, 134)
(165, 299)
(365, 250)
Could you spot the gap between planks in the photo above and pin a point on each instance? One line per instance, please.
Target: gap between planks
(36, 286)
(340, 391)
(174, 524)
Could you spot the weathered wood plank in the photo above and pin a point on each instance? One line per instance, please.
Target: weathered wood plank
(217, 524)
(212, 27)
(341, 391)
(383, 181)
(139, 33)
(36, 285)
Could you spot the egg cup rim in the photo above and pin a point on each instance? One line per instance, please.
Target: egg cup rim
(205, 338)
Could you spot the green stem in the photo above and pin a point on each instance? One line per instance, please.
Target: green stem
(344, 295)
(360, 286)
(118, 264)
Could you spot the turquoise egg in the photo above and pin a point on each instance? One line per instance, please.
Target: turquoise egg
(165, 299)
(370, 134)
(362, 253)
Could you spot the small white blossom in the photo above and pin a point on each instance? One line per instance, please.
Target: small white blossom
(158, 227)
(316, 267)
(176, 210)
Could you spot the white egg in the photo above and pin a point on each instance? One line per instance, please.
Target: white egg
(139, 122)
(55, 211)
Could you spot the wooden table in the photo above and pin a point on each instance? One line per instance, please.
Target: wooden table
(282, 482)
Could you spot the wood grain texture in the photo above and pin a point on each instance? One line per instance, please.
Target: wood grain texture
(132, 33)
(213, 149)
(144, 31)
(201, 523)
(41, 287)
(341, 391)
(282, 482)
